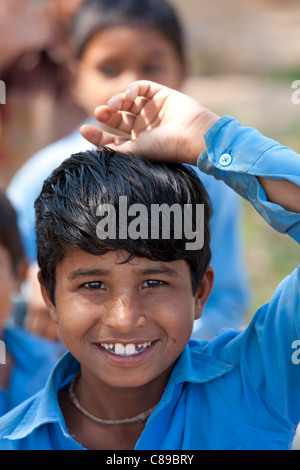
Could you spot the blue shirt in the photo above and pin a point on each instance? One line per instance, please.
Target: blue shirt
(34, 357)
(241, 389)
(227, 305)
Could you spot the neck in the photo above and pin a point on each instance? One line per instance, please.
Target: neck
(113, 403)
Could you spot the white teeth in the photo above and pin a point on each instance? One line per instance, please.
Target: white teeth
(127, 349)
(119, 349)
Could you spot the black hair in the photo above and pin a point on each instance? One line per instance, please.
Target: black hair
(9, 232)
(97, 15)
(67, 208)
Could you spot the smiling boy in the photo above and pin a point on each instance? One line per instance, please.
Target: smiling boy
(125, 308)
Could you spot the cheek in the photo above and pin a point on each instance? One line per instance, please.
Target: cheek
(74, 321)
(95, 90)
(172, 77)
(178, 322)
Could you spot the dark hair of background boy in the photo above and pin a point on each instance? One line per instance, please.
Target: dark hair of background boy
(97, 15)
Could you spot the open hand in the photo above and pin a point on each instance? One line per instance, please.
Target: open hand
(155, 121)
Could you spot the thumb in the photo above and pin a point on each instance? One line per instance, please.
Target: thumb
(101, 138)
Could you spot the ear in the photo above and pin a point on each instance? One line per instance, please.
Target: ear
(47, 299)
(204, 291)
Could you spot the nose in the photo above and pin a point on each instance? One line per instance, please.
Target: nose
(124, 315)
(130, 75)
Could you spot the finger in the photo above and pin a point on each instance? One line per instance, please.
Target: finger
(120, 102)
(148, 118)
(100, 138)
(142, 112)
(146, 108)
(91, 134)
(121, 121)
(143, 88)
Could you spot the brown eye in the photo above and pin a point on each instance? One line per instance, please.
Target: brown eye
(153, 283)
(153, 68)
(94, 285)
(110, 70)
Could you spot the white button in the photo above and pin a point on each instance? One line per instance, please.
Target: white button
(225, 159)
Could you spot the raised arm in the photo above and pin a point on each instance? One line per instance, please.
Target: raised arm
(282, 192)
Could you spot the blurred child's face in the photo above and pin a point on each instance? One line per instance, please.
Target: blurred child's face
(8, 284)
(117, 56)
(125, 323)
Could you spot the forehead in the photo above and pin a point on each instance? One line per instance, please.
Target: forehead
(126, 42)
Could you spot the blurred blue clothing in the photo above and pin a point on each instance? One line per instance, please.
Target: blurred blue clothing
(241, 389)
(229, 300)
(34, 357)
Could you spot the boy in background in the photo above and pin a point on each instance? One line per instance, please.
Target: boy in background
(28, 358)
(116, 43)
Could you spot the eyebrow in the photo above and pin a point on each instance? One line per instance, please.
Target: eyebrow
(78, 273)
(152, 53)
(157, 52)
(160, 270)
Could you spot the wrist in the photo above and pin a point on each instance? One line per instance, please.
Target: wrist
(201, 125)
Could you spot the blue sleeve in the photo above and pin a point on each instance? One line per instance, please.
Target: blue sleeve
(275, 369)
(237, 155)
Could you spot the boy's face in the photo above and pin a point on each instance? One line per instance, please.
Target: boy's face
(117, 56)
(125, 323)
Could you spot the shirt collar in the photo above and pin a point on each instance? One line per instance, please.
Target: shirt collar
(192, 366)
(196, 366)
(44, 407)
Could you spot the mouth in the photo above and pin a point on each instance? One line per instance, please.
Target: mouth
(126, 350)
